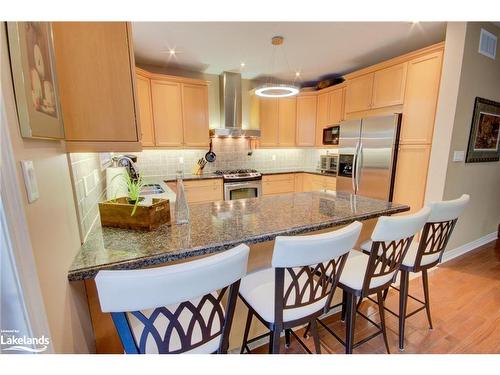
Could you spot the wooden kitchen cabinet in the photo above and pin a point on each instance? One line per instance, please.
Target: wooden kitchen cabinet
(316, 182)
(422, 88)
(178, 107)
(330, 111)
(209, 190)
(95, 68)
(287, 120)
(306, 120)
(278, 184)
(278, 120)
(195, 115)
(389, 86)
(299, 182)
(145, 110)
(359, 93)
(167, 112)
(411, 175)
(268, 120)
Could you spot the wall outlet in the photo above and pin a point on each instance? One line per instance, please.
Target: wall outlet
(458, 155)
(30, 180)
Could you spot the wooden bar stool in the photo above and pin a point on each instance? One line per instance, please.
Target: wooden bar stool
(425, 254)
(299, 286)
(364, 275)
(175, 309)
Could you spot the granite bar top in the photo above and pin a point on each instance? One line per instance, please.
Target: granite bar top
(221, 225)
(204, 176)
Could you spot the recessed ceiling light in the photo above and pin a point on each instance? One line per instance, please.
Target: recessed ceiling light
(171, 51)
(297, 74)
(242, 64)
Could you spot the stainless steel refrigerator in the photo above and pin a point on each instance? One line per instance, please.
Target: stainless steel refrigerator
(367, 156)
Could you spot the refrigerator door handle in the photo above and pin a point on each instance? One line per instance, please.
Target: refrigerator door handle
(354, 168)
(359, 165)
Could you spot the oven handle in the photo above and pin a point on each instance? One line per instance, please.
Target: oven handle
(242, 184)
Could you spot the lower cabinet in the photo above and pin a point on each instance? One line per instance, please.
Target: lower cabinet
(411, 175)
(315, 182)
(278, 184)
(201, 191)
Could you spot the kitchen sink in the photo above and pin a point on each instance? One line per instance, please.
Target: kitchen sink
(150, 189)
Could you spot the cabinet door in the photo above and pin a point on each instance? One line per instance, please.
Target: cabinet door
(330, 183)
(278, 184)
(268, 116)
(287, 120)
(313, 182)
(389, 86)
(306, 120)
(359, 93)
(204, 191)
(335, 106)
(145, 110)
(411, 175)
(422, 87)
(322, 117)
(195, 114)
(299, 182)
(96, 81)
(167, 113)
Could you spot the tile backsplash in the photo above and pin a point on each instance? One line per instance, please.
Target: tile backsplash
(231, 154)
(89, 181)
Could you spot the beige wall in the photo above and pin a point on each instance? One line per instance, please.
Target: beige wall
(480, 76)
(53, 229)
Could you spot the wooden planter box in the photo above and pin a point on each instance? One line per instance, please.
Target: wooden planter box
(116, 213)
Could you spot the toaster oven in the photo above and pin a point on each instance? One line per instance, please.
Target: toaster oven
(329, 163)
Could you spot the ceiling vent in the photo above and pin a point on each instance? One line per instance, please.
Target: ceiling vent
(488, 44)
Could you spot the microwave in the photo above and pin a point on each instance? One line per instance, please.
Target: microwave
(331, 135)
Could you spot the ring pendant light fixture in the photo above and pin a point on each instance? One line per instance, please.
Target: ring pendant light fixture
(277, 89)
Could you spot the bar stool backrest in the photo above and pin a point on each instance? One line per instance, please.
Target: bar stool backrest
(307, 268)
(163, 310)
(437, 231)
(391, 239)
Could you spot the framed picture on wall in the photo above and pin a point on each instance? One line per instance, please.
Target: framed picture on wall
(35, 81)
(484, 133)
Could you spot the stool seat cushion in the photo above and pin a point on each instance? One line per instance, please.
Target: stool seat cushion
(258, 290)
(354, 271)
(186, 318)
(411, 255)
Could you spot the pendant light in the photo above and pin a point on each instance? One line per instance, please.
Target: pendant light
(277, 89)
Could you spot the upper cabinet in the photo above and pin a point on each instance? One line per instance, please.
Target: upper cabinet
(422, 87)
(277, 122)
(382, 88)
(95, 69)
(306, 120)
(359, 93)
(389, 86)
(179, 110)
(330, 111)
(195, 114)
(145, 110)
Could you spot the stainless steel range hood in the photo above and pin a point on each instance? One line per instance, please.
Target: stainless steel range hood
(230, 108)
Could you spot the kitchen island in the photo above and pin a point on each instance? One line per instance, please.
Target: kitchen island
(215, 227)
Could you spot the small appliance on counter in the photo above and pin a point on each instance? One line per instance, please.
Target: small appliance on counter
(329, 163)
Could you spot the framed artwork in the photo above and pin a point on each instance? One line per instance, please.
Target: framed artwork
(35, 81)
(484, 133)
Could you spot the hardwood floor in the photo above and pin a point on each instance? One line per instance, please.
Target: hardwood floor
(465, 308)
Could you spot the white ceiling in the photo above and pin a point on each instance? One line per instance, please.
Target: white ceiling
(313, 48)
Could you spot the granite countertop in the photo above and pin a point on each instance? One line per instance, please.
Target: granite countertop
(221, 225)
(285, 171)
(206, 176)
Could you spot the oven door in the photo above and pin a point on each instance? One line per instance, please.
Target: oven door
(242, 190)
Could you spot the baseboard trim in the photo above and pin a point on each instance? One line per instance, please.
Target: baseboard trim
(465, 248)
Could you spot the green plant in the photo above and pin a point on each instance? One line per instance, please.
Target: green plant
(134, 189)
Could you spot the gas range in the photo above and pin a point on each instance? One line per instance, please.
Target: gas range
(241, 183)
(236, 175)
